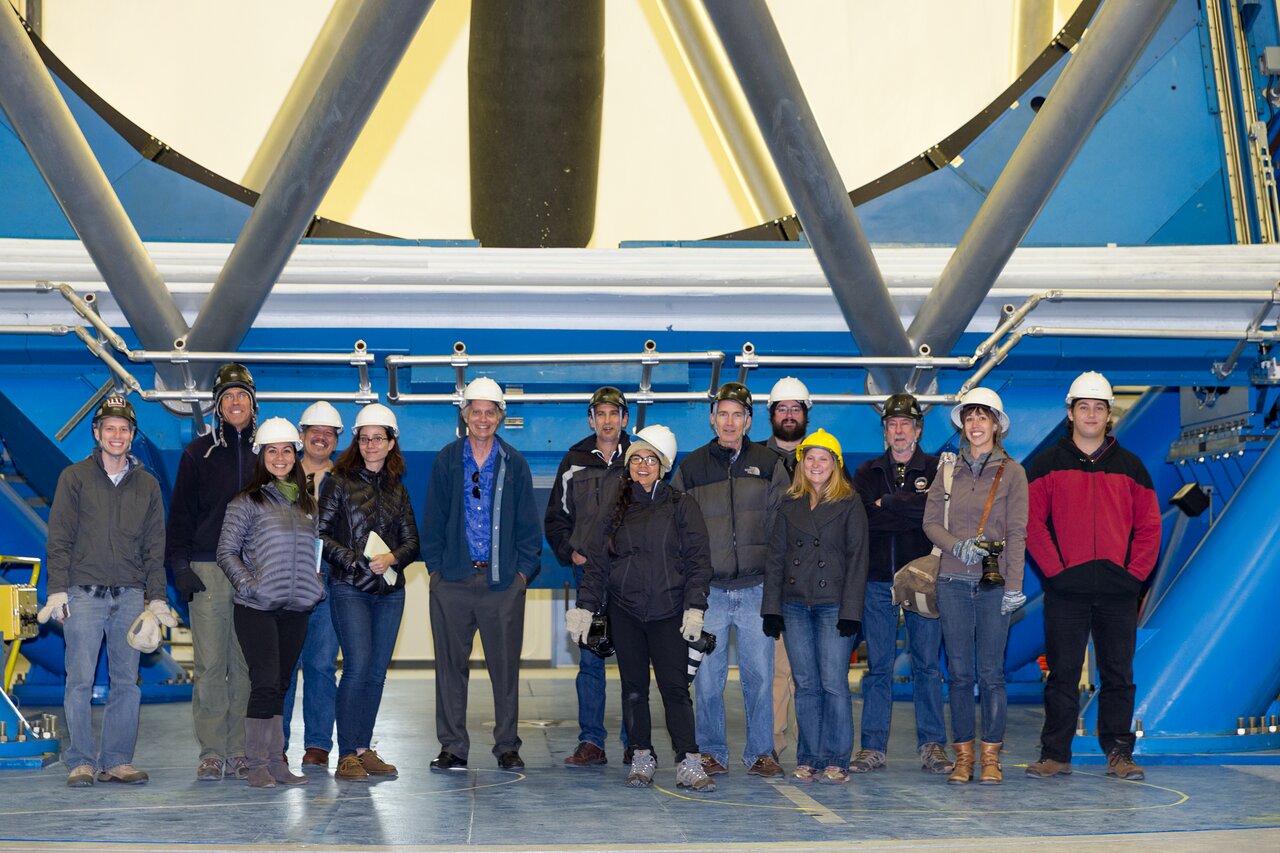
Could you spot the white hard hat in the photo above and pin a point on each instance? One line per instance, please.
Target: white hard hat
(276, 431)
(790, 388)
(376, 414)
(981, 397)
(484, 388)
(1091, 386)
(660, 439)
(321, 414)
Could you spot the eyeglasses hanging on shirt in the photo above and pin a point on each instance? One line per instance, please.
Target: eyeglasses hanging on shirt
(475, 489)
(901, 476)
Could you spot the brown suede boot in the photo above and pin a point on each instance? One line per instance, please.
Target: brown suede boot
(257, 743)
(963, 772)
(277, 762)
(992, 773)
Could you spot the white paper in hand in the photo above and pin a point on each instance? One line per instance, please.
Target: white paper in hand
(374, 546)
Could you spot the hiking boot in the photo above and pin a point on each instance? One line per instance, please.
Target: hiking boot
(237, 768)
(80, 777)
(933, 759)
(642, 767)
(712, 767)
(1120, 763)
(374, 765)
(867, 760)
(587, 755)
(690, 773)
(125, 774)
(315, 757)
(350, 769)
(210, 770)
(804, 773)
(765, 766)
(1047, 768)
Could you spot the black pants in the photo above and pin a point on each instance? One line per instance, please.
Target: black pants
(639, 644)
(1068, 622)
(272, 641)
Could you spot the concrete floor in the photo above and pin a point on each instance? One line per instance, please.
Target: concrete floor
(549, 807)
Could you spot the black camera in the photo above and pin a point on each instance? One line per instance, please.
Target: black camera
(698, 649)
(597, 641)
(991, 562)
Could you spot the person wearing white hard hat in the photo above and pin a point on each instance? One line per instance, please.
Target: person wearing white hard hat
(320, 427)
(1094, 530)
(101, 575)
(267, 550)
(483, 547)
(586, 480)
(651, 564)
(983, 544)
(369, 537)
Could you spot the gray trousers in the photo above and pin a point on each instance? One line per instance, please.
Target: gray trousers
(220, 696)
(458, 610)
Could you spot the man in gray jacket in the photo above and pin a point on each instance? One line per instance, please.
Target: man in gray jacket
(739, 485)
(106, 554)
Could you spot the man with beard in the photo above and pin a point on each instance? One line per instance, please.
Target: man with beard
(320, 426)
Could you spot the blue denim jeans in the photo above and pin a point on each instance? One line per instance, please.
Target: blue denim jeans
(924, 638)
(974, 630)
(319, 667)
(740, 609)
(367, 626)
(591, 693)
(820, 666)
(90, 622)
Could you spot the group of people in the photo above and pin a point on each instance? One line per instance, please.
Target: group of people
(286, 555)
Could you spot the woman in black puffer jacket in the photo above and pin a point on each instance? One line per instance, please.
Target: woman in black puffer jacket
(363, 496)
(267, 549)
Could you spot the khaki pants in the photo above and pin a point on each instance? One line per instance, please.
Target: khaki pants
(220, 697)
(784, 694)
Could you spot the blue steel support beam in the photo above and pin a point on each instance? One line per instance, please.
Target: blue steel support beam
(813, 182)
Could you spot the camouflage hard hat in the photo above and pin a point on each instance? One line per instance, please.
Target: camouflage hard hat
(902, 406)
(608, 394)
(735, 391)
(116, 406)
(234, 375)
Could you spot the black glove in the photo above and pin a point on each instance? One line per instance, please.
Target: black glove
(848, 627)
(187, 582)
(773, 626)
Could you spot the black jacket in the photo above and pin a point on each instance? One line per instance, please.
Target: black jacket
(662, 567)
(817, 556)
(897, 525)
(584, 482)
(206, 483)
(351, 507)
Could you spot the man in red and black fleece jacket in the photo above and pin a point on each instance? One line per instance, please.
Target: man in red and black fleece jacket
(1093, 527)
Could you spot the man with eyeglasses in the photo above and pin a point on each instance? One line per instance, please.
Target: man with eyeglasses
(320, 426)
(587, 480)
(739, 485)
(483, 546)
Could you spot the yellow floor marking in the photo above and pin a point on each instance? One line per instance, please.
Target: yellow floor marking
(811, 807)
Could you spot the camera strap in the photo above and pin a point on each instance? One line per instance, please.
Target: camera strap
(995, 484)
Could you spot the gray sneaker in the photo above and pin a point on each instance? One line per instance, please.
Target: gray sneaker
(933, 759)
(642, 768)
(237, 767)
(689, 774)
(210, 770)
(866, 760)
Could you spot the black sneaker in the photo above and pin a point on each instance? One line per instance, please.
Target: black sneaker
(446, 761)
(510, 761)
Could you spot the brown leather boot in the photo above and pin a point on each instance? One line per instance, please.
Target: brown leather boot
(992, 773)
(963, 772)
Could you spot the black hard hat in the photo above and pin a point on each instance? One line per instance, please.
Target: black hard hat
(735, 391)
(116, 406)
(608, 394)
(902, 406)
(234, 375)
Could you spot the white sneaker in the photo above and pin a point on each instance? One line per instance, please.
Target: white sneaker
(642, 768)
(689, 774)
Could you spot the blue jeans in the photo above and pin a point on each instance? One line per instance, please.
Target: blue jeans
(319, 666)
(740, 609)
(90, 621)
(367, 626)
(974, 629)
(924, 638)
(591, 693)
(820, 666)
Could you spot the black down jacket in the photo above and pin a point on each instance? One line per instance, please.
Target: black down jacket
(352, 507)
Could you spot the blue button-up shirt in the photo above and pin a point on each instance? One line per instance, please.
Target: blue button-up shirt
(479, 511)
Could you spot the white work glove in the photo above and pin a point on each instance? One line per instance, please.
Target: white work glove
(144, 633)
(55, 608)
(967, 551)
(1011, 602)
(578, 621)
(160, 608)
(691, 625)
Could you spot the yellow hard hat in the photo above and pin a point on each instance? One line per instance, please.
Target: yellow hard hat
(825, 440)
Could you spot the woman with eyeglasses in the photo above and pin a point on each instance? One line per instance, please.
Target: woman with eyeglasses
(652, 565)
(365, 496)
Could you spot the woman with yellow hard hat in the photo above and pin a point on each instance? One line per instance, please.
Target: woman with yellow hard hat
(814, 580)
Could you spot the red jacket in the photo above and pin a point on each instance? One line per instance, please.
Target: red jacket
(1093, 522)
